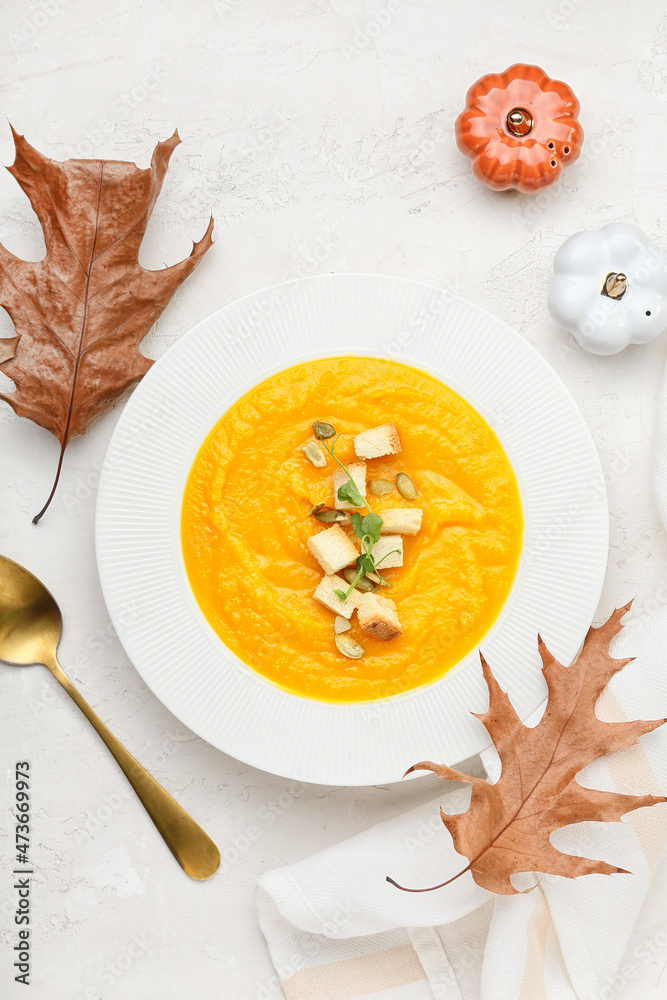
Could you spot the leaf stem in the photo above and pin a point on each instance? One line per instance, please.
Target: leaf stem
(356, 580)
(386, 556)
(431, 887)
(44, 509)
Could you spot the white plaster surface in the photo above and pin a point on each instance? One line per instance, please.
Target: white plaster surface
(320, 134)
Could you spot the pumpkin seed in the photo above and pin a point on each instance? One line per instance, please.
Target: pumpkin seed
(329, 516)
(323, 430)
(375, 578)
(341, 625)
(314, 454)
(316, 510)
(405, 486)
(348, 647)
(364, 584)
(379, 487)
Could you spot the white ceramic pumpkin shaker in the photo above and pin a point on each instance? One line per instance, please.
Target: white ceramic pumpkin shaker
(610, 288)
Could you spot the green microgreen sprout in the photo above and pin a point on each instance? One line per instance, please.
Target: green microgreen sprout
(366, 528)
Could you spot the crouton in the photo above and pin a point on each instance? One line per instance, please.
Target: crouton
(388, 544)
(401, 521)
(333, 549)
(377, 442)
(326, 595)
(377, 616)
(358, 472)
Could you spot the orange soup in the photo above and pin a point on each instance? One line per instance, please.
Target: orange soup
(246, 524)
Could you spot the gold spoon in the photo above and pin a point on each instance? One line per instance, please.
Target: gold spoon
(30, 629)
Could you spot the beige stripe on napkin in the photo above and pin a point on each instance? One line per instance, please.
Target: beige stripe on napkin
(532, 986)
(356, 977)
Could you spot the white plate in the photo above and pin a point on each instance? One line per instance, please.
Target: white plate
(166, 636)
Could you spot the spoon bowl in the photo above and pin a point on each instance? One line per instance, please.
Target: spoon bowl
(30, 619)
(30, 630)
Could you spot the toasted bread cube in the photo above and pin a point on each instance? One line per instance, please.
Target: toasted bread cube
(326, 595)
(379, 441)
(377, 616)
(401, 521)
(358, 472)
(388, 544)
(333, 549)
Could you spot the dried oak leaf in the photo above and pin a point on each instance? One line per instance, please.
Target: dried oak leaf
(82, 311)
(507, 825)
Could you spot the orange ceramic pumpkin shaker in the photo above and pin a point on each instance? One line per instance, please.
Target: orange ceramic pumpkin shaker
(519, 128)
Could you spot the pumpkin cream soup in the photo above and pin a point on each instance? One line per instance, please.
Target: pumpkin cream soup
(351, 528)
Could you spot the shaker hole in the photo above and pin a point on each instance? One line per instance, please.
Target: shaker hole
(648, 312)
(553, 163)
(566, 150)
(551, 145)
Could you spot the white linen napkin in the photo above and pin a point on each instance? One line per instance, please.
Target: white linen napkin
(337, 931)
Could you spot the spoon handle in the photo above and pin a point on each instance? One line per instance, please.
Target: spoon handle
(193, 849)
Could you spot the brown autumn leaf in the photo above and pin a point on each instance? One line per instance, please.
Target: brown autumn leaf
(8, 348)
(82, 311)
(506, 828)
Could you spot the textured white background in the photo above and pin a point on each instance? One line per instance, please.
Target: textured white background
(320, 134)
